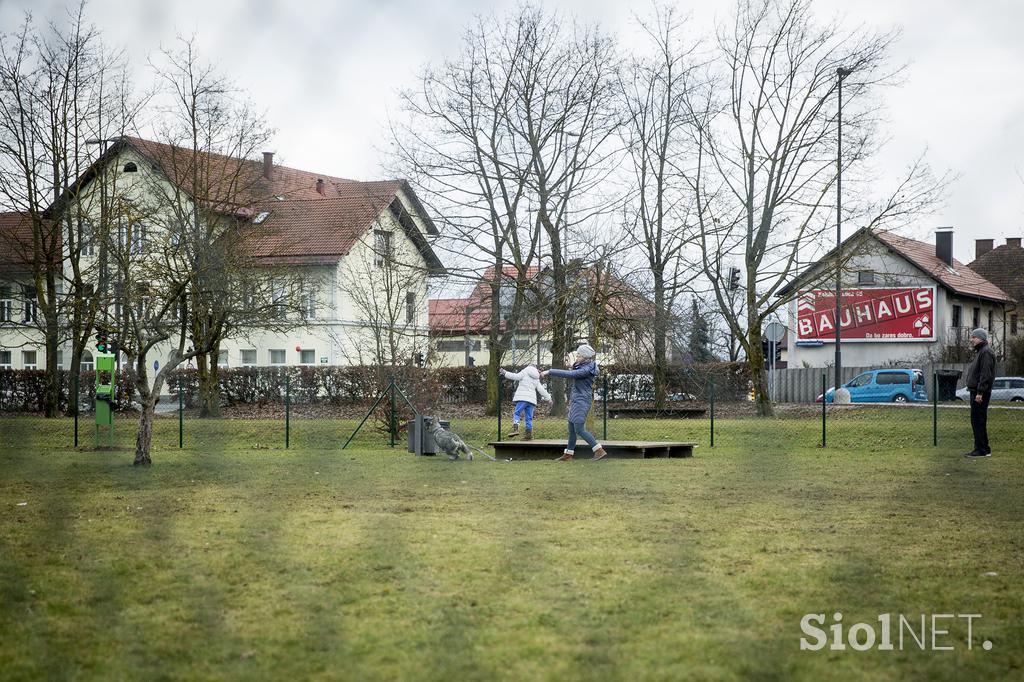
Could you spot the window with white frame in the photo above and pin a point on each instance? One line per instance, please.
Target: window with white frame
(30, 309)
(87, 239)
(28, 359)
(307, 356)
(138, 238)
(87, 363)
(277, 356)
(382, 247)
(5, 359)
(222, 359)
(60, 359)
(248, 357)
(6, 304)
(278, 296)
(309, 303)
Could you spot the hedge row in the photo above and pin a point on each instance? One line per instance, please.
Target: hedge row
(22, 390)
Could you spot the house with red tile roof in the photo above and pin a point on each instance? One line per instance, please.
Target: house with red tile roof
(904, 301)
(1003, 265)
(460, 327)
(336, 235)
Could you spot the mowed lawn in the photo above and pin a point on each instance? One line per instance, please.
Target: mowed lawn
(237, 562)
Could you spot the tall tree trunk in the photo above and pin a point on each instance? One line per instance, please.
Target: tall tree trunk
(147, 399)
(559, 321)
(208, 372)
(757, 376)
(51, 395)
(660, 332)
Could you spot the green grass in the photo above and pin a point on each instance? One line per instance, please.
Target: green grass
(228, 561)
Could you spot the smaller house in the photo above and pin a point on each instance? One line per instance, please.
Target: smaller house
(1004, 266)
(903, 301)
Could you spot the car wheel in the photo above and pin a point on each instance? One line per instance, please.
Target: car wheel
(899, 398)
(1016, 399)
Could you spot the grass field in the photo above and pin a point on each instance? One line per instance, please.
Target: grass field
(226, 560)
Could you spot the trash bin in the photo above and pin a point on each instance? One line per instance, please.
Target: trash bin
(947, 379)
(417, 429)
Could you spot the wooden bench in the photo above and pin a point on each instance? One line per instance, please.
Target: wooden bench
(655, 413)
(619, 449)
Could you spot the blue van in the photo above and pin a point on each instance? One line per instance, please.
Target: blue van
(884, 386)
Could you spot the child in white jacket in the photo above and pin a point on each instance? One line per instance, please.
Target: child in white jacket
(525, 398)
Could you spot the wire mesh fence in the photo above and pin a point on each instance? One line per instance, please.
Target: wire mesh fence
(710, 406)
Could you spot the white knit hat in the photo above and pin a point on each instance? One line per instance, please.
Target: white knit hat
(586, 351)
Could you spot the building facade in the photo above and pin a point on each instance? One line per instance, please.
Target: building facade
(904, 302)
(357, 252)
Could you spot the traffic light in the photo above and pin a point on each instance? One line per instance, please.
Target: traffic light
(734, 279)
(102, 343)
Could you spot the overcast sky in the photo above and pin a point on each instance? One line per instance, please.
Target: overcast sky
(327, 73)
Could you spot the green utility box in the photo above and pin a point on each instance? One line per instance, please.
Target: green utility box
(105, 380)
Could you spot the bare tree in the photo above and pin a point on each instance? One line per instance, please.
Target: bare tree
(652, 93)
(765, 171)
(210, 136)
(460, 150)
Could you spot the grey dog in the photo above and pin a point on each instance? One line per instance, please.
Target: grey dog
(447, 440)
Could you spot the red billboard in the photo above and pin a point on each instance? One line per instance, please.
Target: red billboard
(898, 314)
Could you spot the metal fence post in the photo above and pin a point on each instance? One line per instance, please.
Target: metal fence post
(287, 409)
(935, 408)
(74, 380)
(823, 403)
(605, 406)
(391, 418)
(181, 413)
(712, 412)
(501, 391)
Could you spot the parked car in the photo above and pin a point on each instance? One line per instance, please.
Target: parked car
(884, 386)
(1003, 388)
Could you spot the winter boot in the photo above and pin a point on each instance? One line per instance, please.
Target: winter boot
(599, 452)
(514, 432)
(566, 456)
(528, 435)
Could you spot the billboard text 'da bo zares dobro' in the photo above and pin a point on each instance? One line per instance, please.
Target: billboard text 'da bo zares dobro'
(896, 314)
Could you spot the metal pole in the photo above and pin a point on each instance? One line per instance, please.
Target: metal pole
(391, 418)
(181, 413)
(74, 380)
(712, 412)
(823, 403)
(287, 409)
(501, 391)
(841, 73)
(605, 401)
(935, 408)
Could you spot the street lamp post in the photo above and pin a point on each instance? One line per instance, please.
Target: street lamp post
(842, 74)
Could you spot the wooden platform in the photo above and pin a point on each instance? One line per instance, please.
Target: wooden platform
(619, 449)
(655, 413)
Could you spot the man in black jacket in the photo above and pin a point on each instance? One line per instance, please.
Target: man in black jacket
(980, 375)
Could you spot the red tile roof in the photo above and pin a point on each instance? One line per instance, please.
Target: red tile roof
(1004, 267)
(15, 242)
(448, 315)
(957, 278)
(312, 217)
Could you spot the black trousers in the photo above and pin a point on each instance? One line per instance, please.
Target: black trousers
(979, 421)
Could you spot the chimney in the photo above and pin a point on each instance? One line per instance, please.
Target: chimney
(268, 165)
(944, 245)
(983, 246)
(1013, 241)
(320, 186)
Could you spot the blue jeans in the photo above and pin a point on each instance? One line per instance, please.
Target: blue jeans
(579, 429)
(525, 409)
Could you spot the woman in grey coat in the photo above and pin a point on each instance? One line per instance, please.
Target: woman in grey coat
(583, 373)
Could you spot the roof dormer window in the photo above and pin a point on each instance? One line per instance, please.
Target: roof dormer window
(130, 167)
(260, 217)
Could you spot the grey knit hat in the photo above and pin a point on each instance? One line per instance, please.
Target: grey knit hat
(981, 334)
(585, 350)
